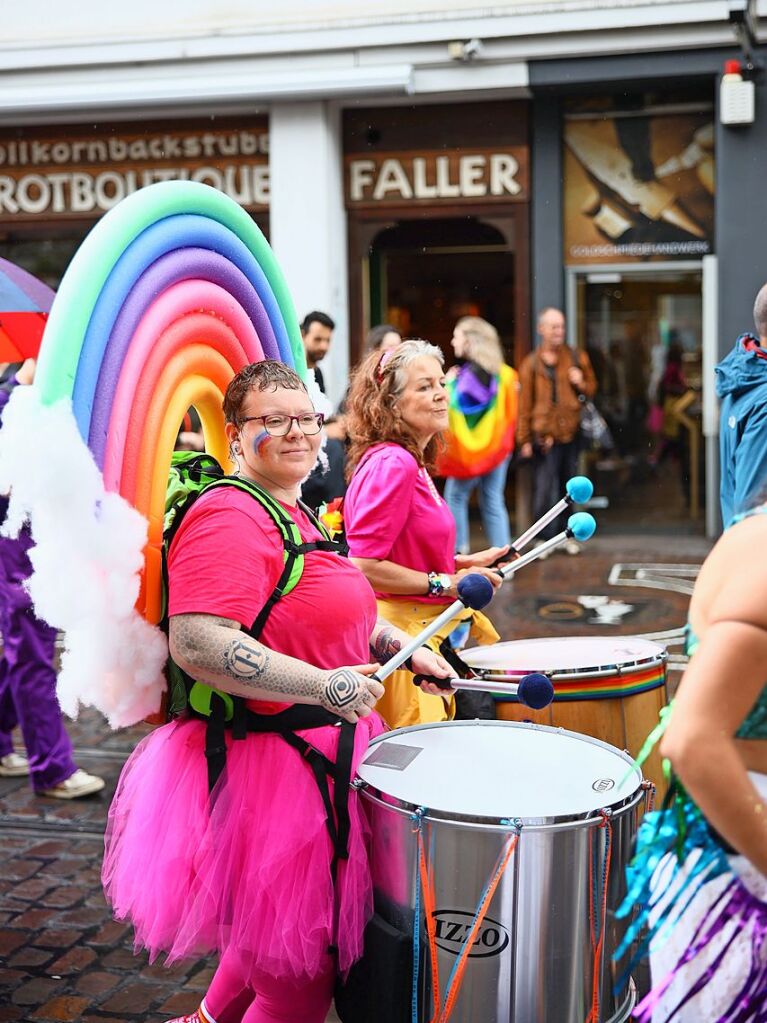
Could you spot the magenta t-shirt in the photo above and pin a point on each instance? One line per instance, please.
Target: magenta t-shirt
(393, 512)
(226, 559)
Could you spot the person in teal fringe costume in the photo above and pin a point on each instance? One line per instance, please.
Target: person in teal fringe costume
(699, 875)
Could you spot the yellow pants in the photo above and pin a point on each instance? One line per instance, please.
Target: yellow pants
(403, 703)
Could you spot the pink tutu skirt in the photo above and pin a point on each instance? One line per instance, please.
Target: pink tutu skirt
(247, 870)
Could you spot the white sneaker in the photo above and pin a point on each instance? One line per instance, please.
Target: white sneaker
(571, 547)
(14, 765)
(76, 785)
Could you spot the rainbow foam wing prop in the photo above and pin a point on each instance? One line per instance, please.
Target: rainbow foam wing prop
(171, 293)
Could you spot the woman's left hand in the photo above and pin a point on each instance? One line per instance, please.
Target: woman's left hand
(482, 559)
(426, 662)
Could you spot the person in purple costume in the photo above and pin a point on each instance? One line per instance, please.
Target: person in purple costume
(27, 676)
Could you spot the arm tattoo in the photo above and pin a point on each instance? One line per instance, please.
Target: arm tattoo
(244, 661)
(344, 689)
(203, 646)
(384, 644)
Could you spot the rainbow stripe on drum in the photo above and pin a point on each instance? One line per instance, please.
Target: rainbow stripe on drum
(608, 687)
(172, 292)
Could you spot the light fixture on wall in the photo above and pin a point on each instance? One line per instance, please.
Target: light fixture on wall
(737, 90)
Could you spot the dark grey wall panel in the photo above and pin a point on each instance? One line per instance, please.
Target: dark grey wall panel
(741, 220)
(632, 68)
(548, 286)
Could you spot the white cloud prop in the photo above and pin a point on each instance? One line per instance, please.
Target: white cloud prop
(86, 560)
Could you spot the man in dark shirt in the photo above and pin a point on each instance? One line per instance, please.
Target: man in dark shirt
(317, 333)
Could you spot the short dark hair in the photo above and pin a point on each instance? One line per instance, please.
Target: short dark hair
(258, 376)
(317, 317)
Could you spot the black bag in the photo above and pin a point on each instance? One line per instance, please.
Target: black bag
(379, 986)
(594, 429)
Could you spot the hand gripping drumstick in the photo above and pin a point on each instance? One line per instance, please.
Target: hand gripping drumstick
(534, 690)
(474, 591)
(578, 490)
(580, 527)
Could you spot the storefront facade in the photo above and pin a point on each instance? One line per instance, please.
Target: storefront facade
(418, 170)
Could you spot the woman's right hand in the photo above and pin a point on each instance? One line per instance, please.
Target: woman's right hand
(492, 574)
(349, 692)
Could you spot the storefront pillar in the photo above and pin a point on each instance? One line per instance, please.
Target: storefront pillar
(548, 286)
(308, 221)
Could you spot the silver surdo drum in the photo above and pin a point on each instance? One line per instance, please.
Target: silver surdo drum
(508, 842)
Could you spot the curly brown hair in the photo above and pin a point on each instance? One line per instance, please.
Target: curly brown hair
(371, 409)
(258, 376)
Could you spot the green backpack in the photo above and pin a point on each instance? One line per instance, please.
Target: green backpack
(191, 475)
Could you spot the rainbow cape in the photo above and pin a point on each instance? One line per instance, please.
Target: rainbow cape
(482, 422)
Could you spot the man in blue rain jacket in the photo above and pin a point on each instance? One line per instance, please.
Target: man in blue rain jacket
(741, 386)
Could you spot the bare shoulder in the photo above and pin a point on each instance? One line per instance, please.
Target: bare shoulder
(732, 584)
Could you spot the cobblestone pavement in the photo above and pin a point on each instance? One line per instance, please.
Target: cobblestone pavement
(65, 959)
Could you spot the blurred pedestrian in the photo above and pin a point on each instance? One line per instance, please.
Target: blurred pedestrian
(741, 386)
(381, 338)
(552, 381)
(482, 402)
(317, 334)
(27, 674)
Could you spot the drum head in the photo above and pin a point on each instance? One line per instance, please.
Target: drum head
(552, 656)
(498, 770)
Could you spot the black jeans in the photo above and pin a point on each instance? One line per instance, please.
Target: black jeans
(551, 471)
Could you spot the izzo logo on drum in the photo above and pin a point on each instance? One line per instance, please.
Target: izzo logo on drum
(452, 928)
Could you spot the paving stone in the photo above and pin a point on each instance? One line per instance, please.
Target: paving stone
(31, 919)
(32, 889)
(95, 983)
(110, 934)
(57, 938)
(135, 998)
(12, 979)
(10, 941)
(62, 898)
(20, 869)
(36, 991)
(30, 957)
(73, 961)
(181, 1003)
(63, 1009)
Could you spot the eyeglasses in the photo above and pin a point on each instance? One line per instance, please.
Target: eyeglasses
(309, 423)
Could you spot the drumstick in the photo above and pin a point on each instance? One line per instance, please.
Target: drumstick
(578, 489)
(580, 526)
(534, 690)
(475, 591)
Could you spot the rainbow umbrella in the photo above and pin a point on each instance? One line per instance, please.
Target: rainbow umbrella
(24, 306)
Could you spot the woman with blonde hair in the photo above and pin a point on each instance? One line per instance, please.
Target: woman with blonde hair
(482, 399)
(399, 530)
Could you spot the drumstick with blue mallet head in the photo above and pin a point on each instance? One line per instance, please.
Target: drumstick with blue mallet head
(474, 591)
(578, 490)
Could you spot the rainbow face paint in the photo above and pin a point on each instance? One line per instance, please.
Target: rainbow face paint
(259, 440)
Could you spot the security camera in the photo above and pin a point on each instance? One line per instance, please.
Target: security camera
(465, 51)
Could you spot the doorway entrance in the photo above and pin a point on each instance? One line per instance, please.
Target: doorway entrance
(643, 331)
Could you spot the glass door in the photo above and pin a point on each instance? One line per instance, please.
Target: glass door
(642, 330)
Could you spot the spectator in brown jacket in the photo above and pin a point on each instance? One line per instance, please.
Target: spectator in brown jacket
(551, 380)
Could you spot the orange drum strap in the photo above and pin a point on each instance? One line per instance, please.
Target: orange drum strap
(598, 915)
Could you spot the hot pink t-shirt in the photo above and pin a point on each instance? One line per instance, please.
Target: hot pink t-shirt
(226, 560)
(393, 512)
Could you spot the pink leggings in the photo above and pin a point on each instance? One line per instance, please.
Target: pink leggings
(230, 999)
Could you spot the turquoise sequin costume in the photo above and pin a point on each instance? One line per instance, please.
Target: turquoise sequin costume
(705, 910)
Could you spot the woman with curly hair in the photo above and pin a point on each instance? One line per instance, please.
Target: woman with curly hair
(400, 531)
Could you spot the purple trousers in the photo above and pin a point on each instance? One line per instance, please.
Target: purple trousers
(27, 679)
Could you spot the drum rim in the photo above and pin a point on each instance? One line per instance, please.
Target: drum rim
(560, 674)
(558, 822)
